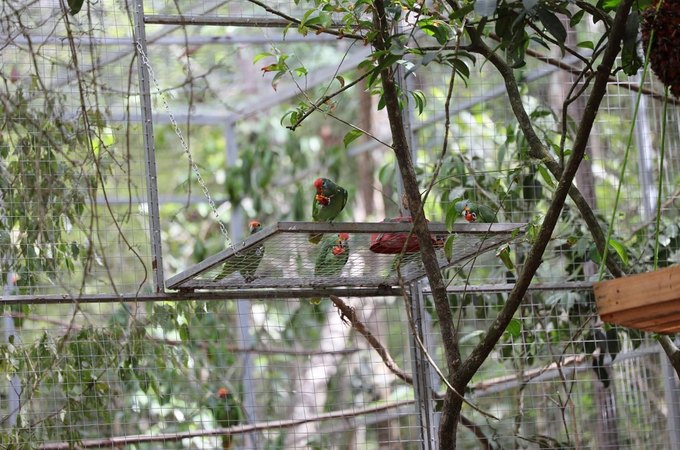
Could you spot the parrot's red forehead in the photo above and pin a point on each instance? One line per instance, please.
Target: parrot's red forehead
(254, 224)
(222, 392)
(318, 183)
(343, 236)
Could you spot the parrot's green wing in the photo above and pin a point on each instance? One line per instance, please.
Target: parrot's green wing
(327, 263)
(245, 263)
(485, 214)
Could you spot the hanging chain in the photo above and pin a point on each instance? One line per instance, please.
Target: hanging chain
(185, 147)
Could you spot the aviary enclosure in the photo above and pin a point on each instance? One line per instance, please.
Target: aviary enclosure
(138, 141)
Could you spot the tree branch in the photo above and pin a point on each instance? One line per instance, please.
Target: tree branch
(452, 402)
(348, 313)
(119, 441)
(534, 258)
(539, 151)
(672, 351)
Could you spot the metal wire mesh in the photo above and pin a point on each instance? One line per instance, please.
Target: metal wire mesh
(314, 381)
(147, 374)
(288, 260)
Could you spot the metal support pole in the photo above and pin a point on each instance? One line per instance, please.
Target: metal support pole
(14, 387)
(149, 151)
(423, 377)
(407, 120)
(643, 136)
(672, 397)
(244, 335)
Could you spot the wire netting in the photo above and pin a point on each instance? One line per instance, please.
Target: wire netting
(74, 222)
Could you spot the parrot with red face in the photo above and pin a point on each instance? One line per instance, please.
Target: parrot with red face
(246, 262)
(226, 412)
(475, 212)
(330, 199)
(332, 256)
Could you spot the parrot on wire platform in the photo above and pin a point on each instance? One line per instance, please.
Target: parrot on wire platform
(246, 262)
(226, 412)
(329, 201)
(331, 258)
(474, 212)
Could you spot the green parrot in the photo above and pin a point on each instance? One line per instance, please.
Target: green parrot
(226, 412)
(475, 212)
(329, 201)
(245, 263)
(331, 258)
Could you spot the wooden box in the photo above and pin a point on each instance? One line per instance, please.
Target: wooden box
(647, 301)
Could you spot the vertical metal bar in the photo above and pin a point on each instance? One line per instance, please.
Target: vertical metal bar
(643, 136)
(149, 151)
(244, 333)
(671, 394)
(406, 119)
(14, 388)
(422, 375)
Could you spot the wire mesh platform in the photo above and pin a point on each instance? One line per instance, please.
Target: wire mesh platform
(288, 258)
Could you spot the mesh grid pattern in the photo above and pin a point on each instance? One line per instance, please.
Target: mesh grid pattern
(312, 381)
(147, 374)
(288, 258)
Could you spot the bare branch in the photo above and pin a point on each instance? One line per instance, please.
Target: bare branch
(239, 429)
(348, 313)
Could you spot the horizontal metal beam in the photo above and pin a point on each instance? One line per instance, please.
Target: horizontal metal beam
(223, 294)
(507, 287)
(222, 21)
(178, 40)
(396, 227)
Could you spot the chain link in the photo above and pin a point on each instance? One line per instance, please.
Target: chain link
(185, 146)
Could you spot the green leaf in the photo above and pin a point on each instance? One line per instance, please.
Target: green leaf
(630, 60)
(576, 18)
(351, 135)
(514, 328)
(448, 247)
(452, 215)
(586, 44)
(462, 12)
(420, 100)
(503, 253)
(620, 250)
(260, 56)
(609, 5)
(75, 6)
(546, 176)
(553, 25)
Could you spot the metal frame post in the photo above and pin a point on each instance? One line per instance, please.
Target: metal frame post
(244, 333)
(423, 376)
(672, 397)
(149, 151)
(10, 332)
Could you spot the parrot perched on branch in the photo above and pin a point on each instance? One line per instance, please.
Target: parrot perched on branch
(331, 258)
(329, 201)
(226, 412)
(474, 212)
(246, 262)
